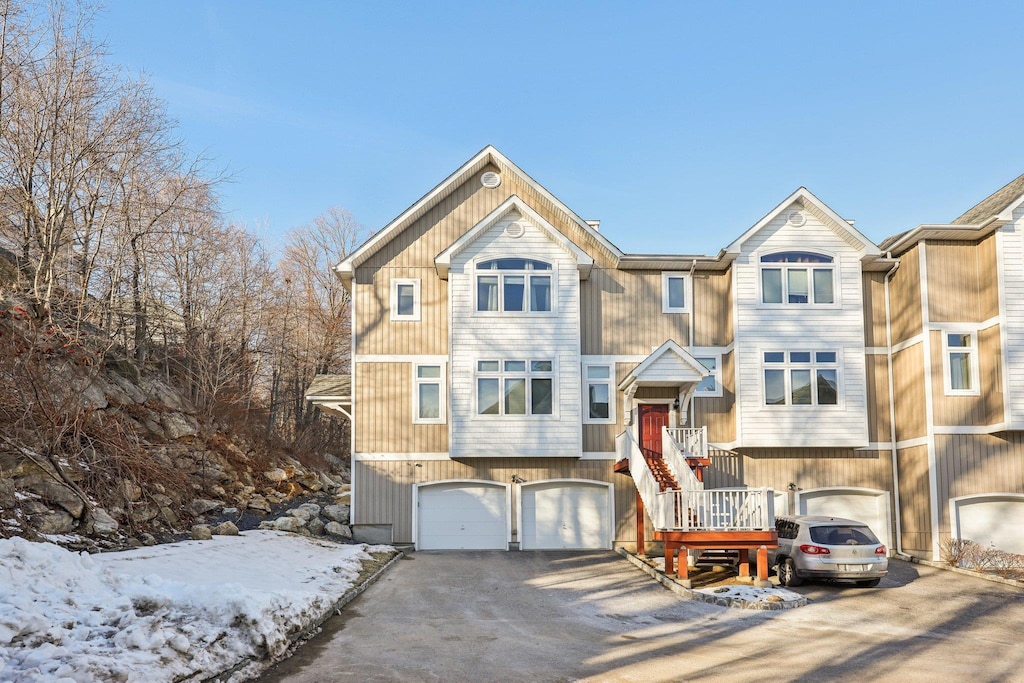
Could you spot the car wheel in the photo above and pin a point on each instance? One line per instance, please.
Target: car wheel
(868, 583)
(787, 573)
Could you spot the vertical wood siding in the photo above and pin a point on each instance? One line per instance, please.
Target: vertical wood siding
(879, 417)
(621, 314)
(908, 387)
(962, 286)
(383, 413)
(905, 298)
(874, 309)
(983, 409)
(915, 506)
(712, 309)
(385, 487)
(968, 464)
(718, 413)
(376, 333)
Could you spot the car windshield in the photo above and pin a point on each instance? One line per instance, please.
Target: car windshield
(842, 535)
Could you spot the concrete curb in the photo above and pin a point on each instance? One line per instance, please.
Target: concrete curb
(690, 594)
(966, 572)
(299, 636)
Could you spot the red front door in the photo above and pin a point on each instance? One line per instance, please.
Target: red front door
(652, 419)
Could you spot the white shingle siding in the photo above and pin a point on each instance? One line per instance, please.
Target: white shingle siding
(800, 328)
(1012, 255)
(515, 336)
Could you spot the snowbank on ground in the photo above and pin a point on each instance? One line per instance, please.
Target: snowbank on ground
(164, 612)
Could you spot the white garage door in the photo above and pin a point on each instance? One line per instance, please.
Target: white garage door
(462, 516)
(864, 505)
(996, 520)
(565, 514)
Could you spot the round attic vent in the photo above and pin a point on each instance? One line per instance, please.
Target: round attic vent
(490, 179)
(796, 218)
(515, 230)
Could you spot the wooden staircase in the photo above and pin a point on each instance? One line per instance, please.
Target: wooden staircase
(659, 468)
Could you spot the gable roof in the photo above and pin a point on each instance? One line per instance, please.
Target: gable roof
(996, 203)
(806, 198)
(669, 347)
(443, 261)
(488, 155)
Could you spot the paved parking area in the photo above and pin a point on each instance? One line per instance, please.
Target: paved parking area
(560, 616)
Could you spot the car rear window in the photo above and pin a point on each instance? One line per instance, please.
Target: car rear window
(843, 535)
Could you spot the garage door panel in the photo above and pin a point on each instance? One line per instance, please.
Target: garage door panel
(462, 516)
(998, 522)
(565, 515)
(868, 507)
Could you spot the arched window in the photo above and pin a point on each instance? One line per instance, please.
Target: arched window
(797, 277)
(513, 285)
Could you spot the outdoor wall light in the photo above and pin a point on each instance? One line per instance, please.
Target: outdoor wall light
(516, 479)
(792, 486)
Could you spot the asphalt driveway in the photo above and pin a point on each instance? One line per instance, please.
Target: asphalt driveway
(560, 616)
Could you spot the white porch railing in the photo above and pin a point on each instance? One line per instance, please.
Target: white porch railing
(695, 509)
(676, 461)
(692, 441)
(720, 509)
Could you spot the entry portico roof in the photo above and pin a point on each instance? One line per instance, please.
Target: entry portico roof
(669, 365)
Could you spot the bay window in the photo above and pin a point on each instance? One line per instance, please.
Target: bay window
(514, 285)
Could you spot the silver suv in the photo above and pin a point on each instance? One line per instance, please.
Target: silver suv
(827, 548)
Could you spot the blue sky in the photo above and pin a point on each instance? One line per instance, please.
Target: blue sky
(678, 125)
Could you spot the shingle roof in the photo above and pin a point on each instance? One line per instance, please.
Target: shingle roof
(994, 203)
(330, 386)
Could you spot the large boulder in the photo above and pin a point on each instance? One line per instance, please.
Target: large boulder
(336, 513)
(302, 515)
(200, 506)
(53, 522)
(292, 524)
(259, 504)
(225, 529)
(102, 523)
(178, 425)
(316, 526)
(339, 530)
(54, 492)
(202, 532)
(276, 475)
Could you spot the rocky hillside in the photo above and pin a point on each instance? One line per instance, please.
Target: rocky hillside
(97, 452)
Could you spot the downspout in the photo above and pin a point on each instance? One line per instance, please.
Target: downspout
(693, 310)
(892, 414)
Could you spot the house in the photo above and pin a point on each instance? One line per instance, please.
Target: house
(518, 381)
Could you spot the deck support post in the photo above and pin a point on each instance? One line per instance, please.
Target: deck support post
(641, 544)
(673, 548)
(762, 563)
(744, 564)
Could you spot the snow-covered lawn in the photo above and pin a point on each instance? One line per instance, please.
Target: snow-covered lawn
(164, 612)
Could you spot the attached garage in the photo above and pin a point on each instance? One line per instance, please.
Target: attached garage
(566, 514)
(870, 506)
(462, 515)
(995, 519)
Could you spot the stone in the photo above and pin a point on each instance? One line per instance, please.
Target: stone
(276, 475)
(311, 482)
(230, 511)
(134, 542)
(288, 524)
(259, 503)
(141, 514)
(147, 539)
(102, 523)
(201, 532)
(300, 514)
(53, 491)
(316, 526)
(156, 389)
(53, 522)
(131, 491)
(336, 513)
(266, 525)
(200, 506)
(168, 515)
(162, 500)
(335, 529)
(178, 425)
(225, 529)
(313, 508)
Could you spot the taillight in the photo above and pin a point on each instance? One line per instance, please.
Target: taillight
(814, 550)
(880, 550)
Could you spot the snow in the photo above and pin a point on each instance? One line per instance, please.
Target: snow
(751, 593)
(164, 612)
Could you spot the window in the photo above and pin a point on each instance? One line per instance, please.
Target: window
(428, 394)
(797, 277)
(514, 387)
(712, 384)
(514, 285)
(801, 378)
(675, 293)
(961, 375)
(599, 396)
(405, 299)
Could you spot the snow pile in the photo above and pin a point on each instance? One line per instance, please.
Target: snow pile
(751, 594)
(165, 612)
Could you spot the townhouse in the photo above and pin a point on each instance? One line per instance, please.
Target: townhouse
(517, 381)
